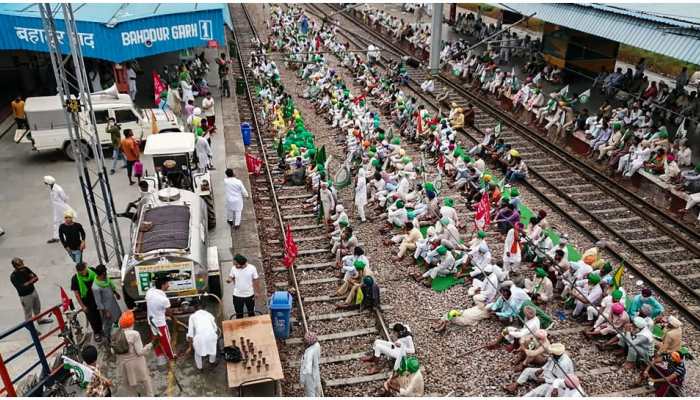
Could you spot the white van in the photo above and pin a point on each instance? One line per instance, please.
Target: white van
(48, 130)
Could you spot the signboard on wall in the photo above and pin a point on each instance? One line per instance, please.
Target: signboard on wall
(180, 276)
(125, 41)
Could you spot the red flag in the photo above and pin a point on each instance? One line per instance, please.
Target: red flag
(253, 164)
(419, 124)
(158, 87)
(482, 217)
(441, 162)
(66, 302)
(358, 99)
(290, 248)
(515, 247)
(318, 42)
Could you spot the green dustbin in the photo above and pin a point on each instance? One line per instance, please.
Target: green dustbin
(240, 86)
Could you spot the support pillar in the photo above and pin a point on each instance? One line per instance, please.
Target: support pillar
(436, 39)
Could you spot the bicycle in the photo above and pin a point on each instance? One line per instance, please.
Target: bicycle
(74, 334)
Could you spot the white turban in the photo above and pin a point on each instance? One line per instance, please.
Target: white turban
(49, 180)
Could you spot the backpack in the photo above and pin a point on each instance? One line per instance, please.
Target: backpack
(119, 343)
(232, 354)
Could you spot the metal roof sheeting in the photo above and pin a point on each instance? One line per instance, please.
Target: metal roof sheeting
(682, 15)
(671, 40)
(116, 13)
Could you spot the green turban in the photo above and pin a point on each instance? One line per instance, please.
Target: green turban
(448, 202)
(617, 294)
(429, 187)
(343, 223)
(396, 140)
(399, 203)
(514, 192)
(617, 125)
(442, 250)
(359, 265)
(368, 281)
(406, 160)
(540, 272)
(380, 137)
(375, 163)
(412, 365)
(481, 234)
(445, 221)
(411, 215)
(607, 268)
(593, 279)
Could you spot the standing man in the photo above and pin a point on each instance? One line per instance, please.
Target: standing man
(72, 236)
(157, 306)
(115, 134)
(106, 297)
(245, 282)
(23, 279)
(235, 191)
(81, 285)
(361, 193)
(18, 111)
(59, 205)
(204, 154)
(309, 371)
(209, 113)
(132, 365)
(130, 147)
(131, 76)
(202, 336)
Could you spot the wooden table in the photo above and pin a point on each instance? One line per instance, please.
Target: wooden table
(257, 329)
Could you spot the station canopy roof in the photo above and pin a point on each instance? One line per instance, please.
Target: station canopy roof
(670, 29)
(119, 32)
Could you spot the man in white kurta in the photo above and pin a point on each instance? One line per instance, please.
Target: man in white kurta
(235, 192)
(444, 267)
(532, 325)
(309, 371)
(204, 154)
(59, 205)
(558, 366)
(202, 334)
(327, 201)
(131, 77)
(361, 193)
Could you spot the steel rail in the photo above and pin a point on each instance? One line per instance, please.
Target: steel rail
(268, 173)
(598, 178)
(695, 319)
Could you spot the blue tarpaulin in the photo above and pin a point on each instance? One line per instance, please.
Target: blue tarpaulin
(119, 32)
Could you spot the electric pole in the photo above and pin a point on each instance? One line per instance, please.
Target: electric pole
(73, 91)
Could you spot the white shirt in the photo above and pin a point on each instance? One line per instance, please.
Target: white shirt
(202, 329)
(156, 304)
(208, 107)
(243, 280)
(235, 191)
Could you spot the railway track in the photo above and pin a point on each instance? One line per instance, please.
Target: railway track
(653, 245)
(313, 276)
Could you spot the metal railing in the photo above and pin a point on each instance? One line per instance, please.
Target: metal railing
(47, 373)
